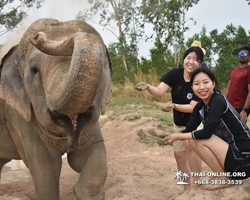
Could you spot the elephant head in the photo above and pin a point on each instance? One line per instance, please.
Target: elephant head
(59, 72)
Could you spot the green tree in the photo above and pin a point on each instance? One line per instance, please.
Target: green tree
(12, 12)
(145, 65)
(161, 57)
(226, 46)
(169, 21)
(124, 14)
(206, 43)
(116, 58)
(161, 60)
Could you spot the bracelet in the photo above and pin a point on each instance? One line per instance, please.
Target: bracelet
(192, 133)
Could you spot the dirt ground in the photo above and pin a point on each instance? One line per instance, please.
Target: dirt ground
(136, 171)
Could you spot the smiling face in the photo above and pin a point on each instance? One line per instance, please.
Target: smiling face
(203, 87)
(191, 62)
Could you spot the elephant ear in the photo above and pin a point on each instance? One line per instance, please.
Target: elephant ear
(107, 73)
(106, 98)
(12, 89)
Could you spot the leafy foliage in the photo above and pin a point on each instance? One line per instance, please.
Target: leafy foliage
(169, 21)
(116, 58)
(221, 54)
(162, 60)
(12, 12)
(226, 45)
(207, 44)
(121, 14)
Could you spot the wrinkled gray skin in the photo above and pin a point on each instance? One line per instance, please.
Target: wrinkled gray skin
(54, 85)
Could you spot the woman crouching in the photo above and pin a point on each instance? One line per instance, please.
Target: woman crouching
(224, 142)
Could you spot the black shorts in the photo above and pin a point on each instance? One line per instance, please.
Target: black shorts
(237, 164)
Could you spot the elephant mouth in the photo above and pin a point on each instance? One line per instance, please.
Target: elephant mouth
(74, 121)
(72, 124)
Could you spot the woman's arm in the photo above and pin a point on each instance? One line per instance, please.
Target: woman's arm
(158, 91)
(181, 136)
(185, 108)
(227, 89)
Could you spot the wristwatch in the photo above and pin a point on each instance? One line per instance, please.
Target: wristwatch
(245, 109)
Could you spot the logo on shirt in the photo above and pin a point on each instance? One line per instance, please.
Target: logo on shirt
(189, 95)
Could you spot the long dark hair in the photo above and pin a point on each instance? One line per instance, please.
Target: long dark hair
(198, 51)
(207, 72)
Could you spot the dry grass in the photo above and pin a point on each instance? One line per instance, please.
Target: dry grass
(128, 89)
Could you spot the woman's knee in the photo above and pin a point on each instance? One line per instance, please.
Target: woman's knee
(180, 157)
(188, 146)
(191, 144)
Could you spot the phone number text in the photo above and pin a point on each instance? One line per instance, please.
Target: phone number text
(219, 182)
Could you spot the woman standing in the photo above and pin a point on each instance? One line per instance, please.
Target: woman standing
(183, 102)
(224, 142)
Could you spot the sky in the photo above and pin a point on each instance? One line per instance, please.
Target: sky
(214, 14)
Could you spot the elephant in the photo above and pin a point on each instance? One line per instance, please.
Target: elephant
(54, 85)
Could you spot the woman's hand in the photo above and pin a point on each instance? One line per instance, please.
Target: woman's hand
(180, 136)
(141, 86)
(243, 115)
(169, 107)
(174, 137)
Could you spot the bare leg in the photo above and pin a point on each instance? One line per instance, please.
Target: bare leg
(182, 164)
(181, 156)
(194, 161)
(213, 152)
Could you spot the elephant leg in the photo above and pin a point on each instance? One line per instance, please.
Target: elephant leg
(46, 179)
(2, 163)
(92, 166)
(45, 172)
(8, 150)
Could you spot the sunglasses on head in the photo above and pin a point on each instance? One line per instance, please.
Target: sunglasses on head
(244, 54)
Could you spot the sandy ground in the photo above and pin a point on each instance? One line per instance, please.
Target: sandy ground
(136, 171)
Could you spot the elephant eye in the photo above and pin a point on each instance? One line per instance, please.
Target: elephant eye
(35, 70)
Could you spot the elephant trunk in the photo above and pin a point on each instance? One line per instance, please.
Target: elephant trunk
(72, 92)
